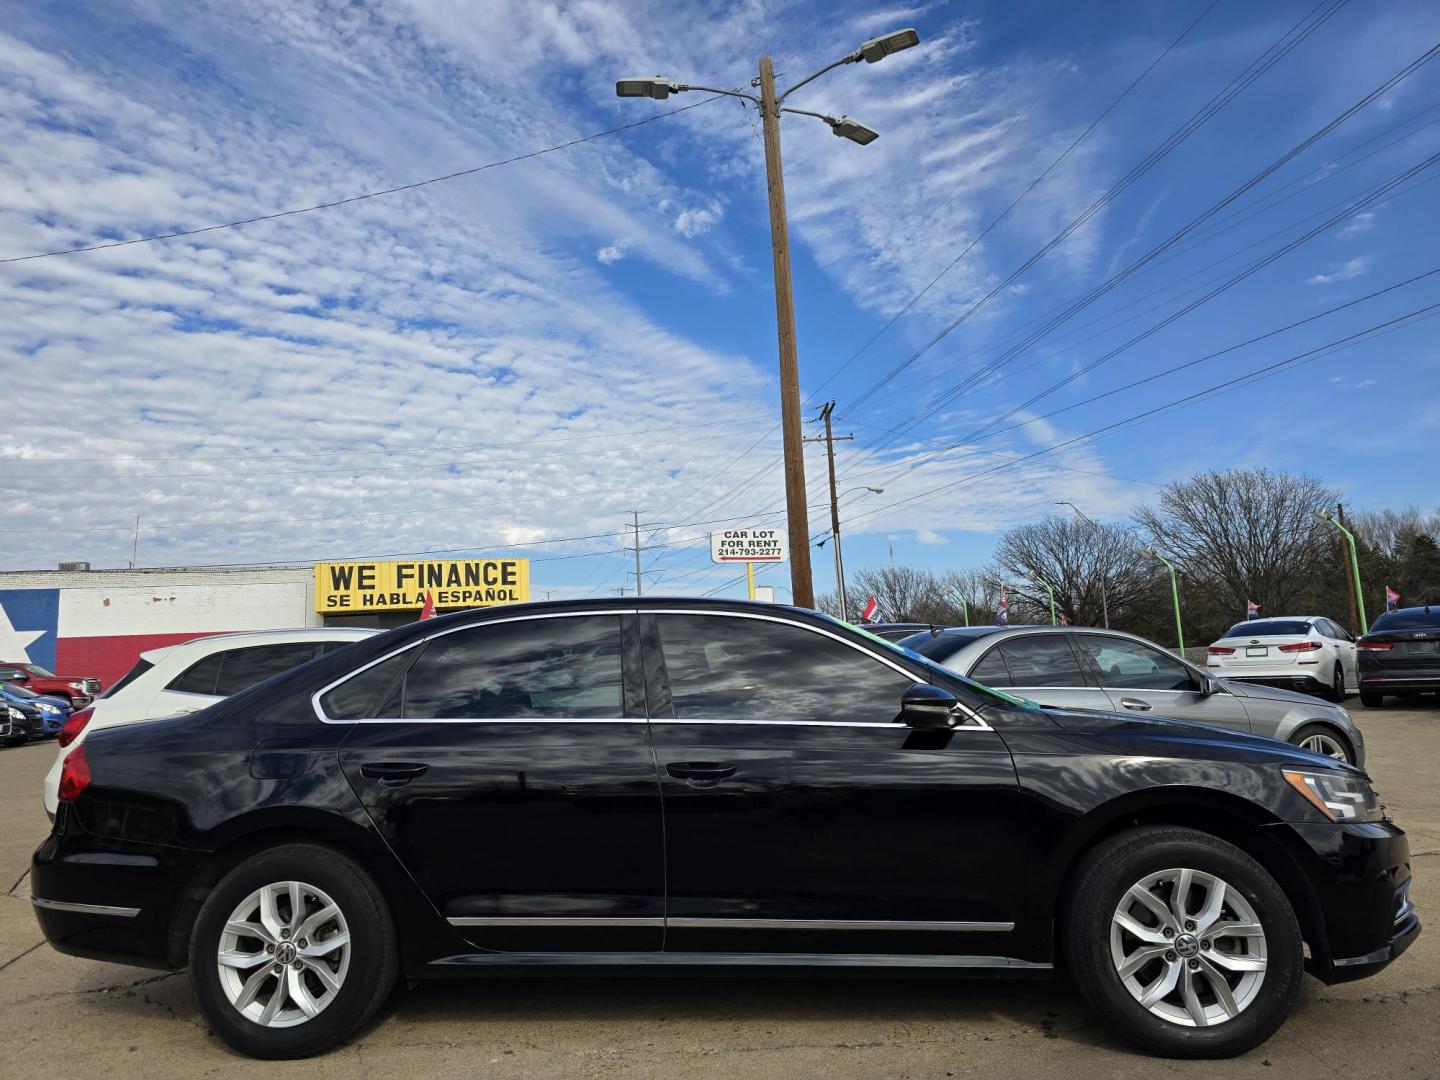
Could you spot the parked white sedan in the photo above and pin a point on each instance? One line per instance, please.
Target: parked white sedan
(188, 677)
(1298, 652)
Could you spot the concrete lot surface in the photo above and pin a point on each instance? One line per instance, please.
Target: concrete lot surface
(65, 1017)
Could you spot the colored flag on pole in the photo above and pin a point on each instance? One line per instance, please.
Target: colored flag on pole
(427, 611)
(871, 607)
(1392, 599)
(1064, 621)
(1252, 609)
(1002, 613)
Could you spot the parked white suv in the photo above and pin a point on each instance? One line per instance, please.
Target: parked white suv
(1295, 652)
(188, 677)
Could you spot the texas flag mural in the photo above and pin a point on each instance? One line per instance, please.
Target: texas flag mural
(101, 632)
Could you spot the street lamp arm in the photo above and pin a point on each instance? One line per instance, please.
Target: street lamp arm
(848, 59)
(716, 90)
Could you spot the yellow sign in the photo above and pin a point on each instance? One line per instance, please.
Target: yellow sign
(360, 587)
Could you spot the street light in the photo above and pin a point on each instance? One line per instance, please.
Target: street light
(770, 107)
(1104, 599)
(1051, 594)
(1325, 515)
(839, 559)
(1174, 595)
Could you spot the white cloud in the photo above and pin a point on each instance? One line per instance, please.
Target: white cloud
(612, 253)
(1362, 222)
(1348, 270)
(693, 222)
(929, 536)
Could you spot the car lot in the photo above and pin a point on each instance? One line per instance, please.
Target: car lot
(73, 1017)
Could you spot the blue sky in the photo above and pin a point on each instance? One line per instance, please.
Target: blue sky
(525, 355)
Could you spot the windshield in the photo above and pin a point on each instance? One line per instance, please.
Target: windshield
(1270, 627)
(39, 672)
(1408, 619)
(20, 691)
(911, 654)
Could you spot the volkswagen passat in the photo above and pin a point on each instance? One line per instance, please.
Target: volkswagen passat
(706, 786)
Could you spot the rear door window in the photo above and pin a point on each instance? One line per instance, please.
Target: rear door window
(243, 668)
(992, 670)
(1042, 660)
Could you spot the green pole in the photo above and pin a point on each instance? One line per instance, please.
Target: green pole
(1050, 593)
(964, 607)
(1354, 569)
(1174, 596)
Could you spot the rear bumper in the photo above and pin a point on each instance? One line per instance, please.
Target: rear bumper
(1399, 680)
(1307, 682)
(1360, 885)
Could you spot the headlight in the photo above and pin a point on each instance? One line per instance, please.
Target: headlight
(14, 713)
(1339, 796)
(77, 686)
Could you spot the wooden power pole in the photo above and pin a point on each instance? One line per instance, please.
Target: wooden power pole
(802, 588)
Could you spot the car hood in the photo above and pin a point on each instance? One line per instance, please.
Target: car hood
(1094, 722)
(1270, 693)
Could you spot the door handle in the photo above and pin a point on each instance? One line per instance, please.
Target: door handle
(1135, 703)
(702, 771)
(393, 773)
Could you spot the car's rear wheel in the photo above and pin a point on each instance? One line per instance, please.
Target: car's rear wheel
(1337, 684)
(1371, 700)
(1322, 739)
(1183, 942)
(292, 952)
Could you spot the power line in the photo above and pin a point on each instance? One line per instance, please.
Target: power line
(366, 195)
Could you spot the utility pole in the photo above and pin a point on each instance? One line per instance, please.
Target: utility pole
(1100, 554)
(830, 439)
(1349, 579)
(639, 578)
(135, 547)
(797, 516)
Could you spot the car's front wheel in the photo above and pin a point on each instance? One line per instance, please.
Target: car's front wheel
(1183, 942)
(1323, 739)
(292, 952)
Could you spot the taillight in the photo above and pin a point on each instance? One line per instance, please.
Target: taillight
(74, 724)
(74, 775)
(1219, 650)
(1372, 646)
(1300, 646)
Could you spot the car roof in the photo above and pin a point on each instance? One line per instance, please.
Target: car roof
(243, 638)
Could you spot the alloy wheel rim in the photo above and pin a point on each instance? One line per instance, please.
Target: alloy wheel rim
(1320, 743)
(283, 954)
(1188, 947)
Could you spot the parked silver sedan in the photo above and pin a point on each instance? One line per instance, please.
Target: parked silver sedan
(1087, 668)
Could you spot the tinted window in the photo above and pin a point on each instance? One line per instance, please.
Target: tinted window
(374, 692)
(992, 670)
(555, 668)
(1271, 627)
(1332, 630)
(243, 668)
(1130, 665)
(948, 642)
(199, 678)
(725, 668)
(141, 666)
(1408, 619)
(1042, 660)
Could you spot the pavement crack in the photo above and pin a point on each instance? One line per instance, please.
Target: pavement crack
(22, 955)
(11, 891)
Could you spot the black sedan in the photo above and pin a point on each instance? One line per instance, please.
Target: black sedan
(1400, 655)
(700, 786)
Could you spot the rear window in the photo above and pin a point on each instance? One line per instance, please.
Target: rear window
(939, 647)
(1269, 627)
(1408, 619)
(141, 666)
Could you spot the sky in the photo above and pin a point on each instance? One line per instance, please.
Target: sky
(514, 360)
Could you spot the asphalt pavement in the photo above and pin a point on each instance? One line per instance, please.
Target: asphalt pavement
(65, 1017)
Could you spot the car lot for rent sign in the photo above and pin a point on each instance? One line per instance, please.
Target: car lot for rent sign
(748, 545)
(396, 586)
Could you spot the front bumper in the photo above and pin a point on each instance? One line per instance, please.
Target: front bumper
(1359, 877)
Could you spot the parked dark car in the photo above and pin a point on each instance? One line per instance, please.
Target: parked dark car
(705, 786)
(1400, 655)
(894, 631)
(18, 724)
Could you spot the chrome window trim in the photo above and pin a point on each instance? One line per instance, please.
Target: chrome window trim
(975, 724)
(85, 909)
(320, 713)
(598, 921)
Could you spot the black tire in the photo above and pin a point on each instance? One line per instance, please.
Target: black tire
(1371, 700)
(1105, 876)
(1329, 732)
(373, 963)
(1337, 685)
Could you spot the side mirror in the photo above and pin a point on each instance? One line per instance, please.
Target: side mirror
(1209, 685)
(927, 706)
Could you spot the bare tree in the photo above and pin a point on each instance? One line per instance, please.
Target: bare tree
(1076, 558)
(1244, 534)
(903, 593)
